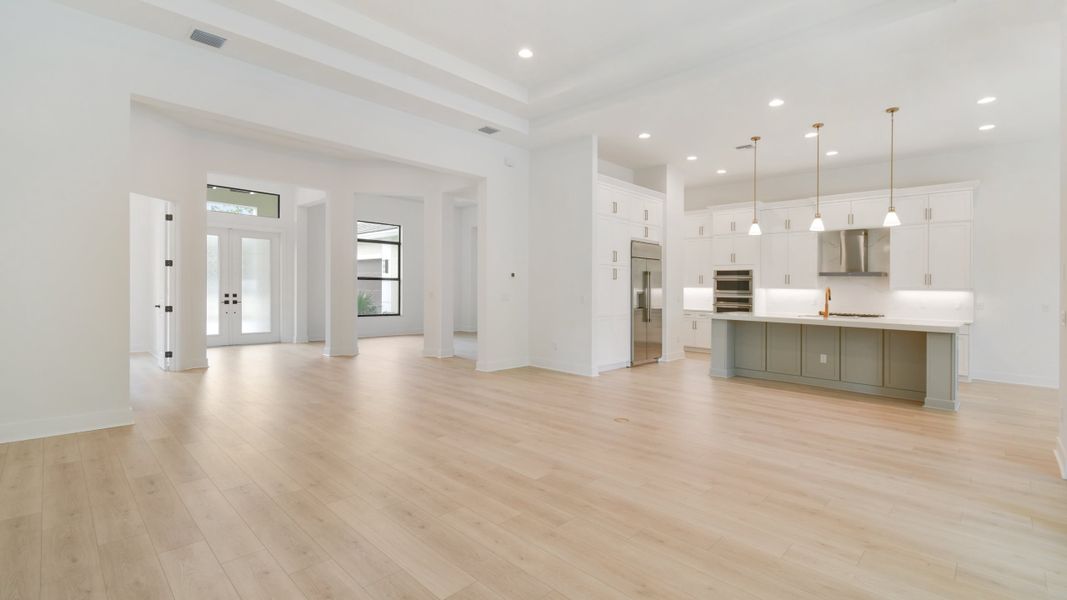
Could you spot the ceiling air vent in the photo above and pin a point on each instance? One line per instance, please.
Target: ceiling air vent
(744, 147)
(215, 41)
(487, 130)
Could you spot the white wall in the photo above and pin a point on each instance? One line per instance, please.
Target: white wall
(85, 136)
(466, 305)
(606, 167)
(1061, 441)
(1015, 238)
(563, 180)
(407, 213)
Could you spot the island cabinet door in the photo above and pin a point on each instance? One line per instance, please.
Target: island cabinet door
(783, 348)
(861, 356)
(905, 360)
(821, 357)
(750, 345)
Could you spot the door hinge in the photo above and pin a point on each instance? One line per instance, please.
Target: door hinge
(168, 354)
(168, 263)
(168, 308)
(168, 217)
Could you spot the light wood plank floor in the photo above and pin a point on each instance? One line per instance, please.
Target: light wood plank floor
(278, 473)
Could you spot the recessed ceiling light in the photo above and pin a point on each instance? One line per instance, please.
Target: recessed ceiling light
(986, 127)
(525, 53)
(811, 134)
(721, 171)
(691, 157)
(775, 103)
(832, 153)
(253, 193)
(988, 100)
(644, 136)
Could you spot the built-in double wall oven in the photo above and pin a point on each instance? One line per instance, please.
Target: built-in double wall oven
(733, 291)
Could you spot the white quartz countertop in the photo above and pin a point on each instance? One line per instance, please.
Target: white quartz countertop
(896, 323)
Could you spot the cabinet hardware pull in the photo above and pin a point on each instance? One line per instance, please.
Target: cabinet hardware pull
(646, 231)
(646, 214)
(701, 231)
(788, 224)
(614, 273)
(614, 256)
(694, 325)
(700, 279)
(614, 206)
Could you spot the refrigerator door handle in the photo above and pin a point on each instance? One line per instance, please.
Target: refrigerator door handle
(646, 282)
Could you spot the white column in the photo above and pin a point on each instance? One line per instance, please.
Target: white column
(340, 275)
(439, 274)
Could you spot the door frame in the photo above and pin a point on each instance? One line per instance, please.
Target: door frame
(229, 278)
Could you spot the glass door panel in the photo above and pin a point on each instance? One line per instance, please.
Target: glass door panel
(256, 285)
(214, 285)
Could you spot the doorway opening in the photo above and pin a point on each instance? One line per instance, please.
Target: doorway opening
(152, 279)
(243, 286)
(465, 320)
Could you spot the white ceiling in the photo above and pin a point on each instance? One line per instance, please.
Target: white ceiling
(697, 74)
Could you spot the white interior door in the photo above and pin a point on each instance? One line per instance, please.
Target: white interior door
(242, 287)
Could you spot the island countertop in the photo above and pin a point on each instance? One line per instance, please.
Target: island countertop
(895, 323)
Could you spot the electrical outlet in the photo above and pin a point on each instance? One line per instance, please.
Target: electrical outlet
(822, 358)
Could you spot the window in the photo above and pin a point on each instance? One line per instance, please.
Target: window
(378, 269)
(236, 201)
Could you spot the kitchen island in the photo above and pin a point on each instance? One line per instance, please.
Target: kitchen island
(913, 359)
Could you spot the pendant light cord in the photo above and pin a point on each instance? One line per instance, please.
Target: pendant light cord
(755, 147)
(892, 151)
(818, 170)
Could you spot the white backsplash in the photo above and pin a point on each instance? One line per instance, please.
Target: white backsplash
(698, 298)
(868, 295)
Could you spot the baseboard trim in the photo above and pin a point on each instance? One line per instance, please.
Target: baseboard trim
(200, 363)
(673, 356)
(327, 351)
(438, 352)
(1061, 456)
(1014, 378)
(39, 428)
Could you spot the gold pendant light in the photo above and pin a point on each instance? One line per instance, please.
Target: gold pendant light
(891, 217)
(754, 229)
(816, 223)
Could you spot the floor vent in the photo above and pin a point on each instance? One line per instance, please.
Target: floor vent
(215, 41)
(489, 130)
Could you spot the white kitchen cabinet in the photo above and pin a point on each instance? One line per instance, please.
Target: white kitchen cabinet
(910, 209)
(696, 331)
(697, 268)
(836, 215)
(869, 213)
(789, 260)
(613, 202)
(949, 256)
(774, 220)
(697, 224)
(963, 356)
(947, 207)
(646, 233)
(731, 222)
(800, 217)
(612, 291)
(907, 257)
(646, 211)
(730, 250)
(612, 241)
(930, 257)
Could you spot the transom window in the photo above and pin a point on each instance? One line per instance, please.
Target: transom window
(236, 201)
(377, 269)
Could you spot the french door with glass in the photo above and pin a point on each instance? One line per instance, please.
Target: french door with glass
(242, 287)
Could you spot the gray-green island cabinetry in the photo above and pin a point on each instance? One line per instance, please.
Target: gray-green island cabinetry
(901, 358)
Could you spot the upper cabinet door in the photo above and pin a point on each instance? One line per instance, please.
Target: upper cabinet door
(950, 206)
(653, 211)
(907, 257)
(835, 215)
(868, 213)
(697, 224)
(746, 249)
(611, 202)
(910, 209)
(774, 257)
(774, 220)
(800, 217)
(722, 223)
(722, 251)
(804, 259)
(949, 256)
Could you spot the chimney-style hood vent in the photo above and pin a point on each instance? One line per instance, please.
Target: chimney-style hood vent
(854, 253)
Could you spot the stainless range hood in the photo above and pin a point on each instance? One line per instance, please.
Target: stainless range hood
(854, 253)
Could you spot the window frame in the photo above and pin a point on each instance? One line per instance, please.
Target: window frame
(277, 201)
(399, 267)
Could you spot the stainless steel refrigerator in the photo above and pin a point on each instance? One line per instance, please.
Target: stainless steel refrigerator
(646, 302)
